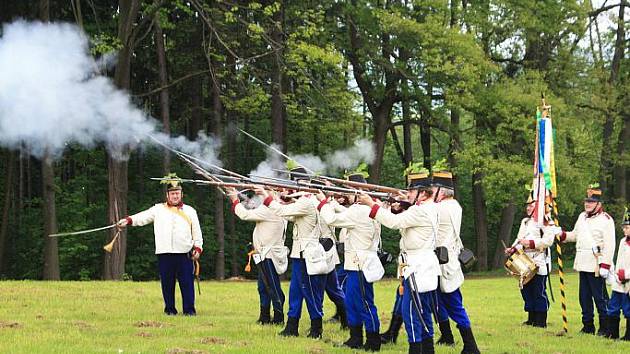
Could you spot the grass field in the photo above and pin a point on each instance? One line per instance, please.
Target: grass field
(126, 317)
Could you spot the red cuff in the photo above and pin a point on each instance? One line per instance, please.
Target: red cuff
(532, 244)
(321, 204)
(563, 236)
(198, 250)
(234, 204)
(621, 274)
(129, 221)
(268, 201)
(605, 266)
(374, 210)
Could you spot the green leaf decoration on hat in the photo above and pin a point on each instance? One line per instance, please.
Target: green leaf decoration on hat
(414, 167)
(440, 165)
(170, 178)
(593, 186)
(291, 164)
(362, 169)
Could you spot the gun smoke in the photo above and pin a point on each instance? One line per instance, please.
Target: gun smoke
(52, 95)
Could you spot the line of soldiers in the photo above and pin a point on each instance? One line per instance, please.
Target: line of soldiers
(427, 217)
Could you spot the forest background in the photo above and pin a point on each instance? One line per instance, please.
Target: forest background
(421, 80)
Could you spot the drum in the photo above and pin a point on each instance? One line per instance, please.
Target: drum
(521, 265)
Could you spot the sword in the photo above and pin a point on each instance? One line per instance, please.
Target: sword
(265, 279)
(83, 232)
(197, 270)
(413, 287)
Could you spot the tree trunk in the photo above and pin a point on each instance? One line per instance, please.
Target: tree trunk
(505, 232)
(51, 251)
(219, 221)
(8, 195)
(278, 109)
(454, 146)
(621, 167)
(114, 262)
(607, 167)
(481, 221)
(196, 110)
(164, 98)
(425, 142)
(381, 123)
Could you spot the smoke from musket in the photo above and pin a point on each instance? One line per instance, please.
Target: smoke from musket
(51, 95)
(361, 151)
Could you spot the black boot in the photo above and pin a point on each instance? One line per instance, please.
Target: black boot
(613, 328)
(341, 312)
(540, 319)
(278, 317)
(372, 342)
(446, 335)
(530, 319)
(427, 346)
(470, 346)
(603, 326)
(356, 337)
(627, 336)
(588, 327)
(316, 329)
(291, 330)
(264, 317)
(392, 332)
(415, 348)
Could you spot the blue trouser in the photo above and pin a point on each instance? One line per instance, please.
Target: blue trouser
(452, 305)
(309, 288)
(535, 294)
(342, 274)
(417, 329)
(619, 302)
(274, 285)
(592, 288)
(360, 303)
(177, 266)
(397, 310)
(333, 288)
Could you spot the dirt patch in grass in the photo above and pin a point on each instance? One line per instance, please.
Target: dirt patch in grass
(144, 334)
(83, 325)
(150, 324)
(185, 351)
(213, 340)
(4, 324)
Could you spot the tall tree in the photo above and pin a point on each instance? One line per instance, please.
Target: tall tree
(159, 40)
(117, 163)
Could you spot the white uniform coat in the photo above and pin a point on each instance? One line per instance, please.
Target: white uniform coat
(362, 235)
(450, 221)
(539, 242)
(597, 230)
(176, 229)
(417, 229)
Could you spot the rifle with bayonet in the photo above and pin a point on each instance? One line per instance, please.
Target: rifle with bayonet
(374, 187)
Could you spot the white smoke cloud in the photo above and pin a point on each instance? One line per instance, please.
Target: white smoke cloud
(361, 151)
(51, 95)
(350, 158)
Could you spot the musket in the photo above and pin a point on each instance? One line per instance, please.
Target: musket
(371, 186)
(305, 187)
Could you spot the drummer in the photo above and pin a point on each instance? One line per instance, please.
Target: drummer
(535, 239)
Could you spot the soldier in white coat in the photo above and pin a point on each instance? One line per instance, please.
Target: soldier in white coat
(308, 274)
(450, 300)
(270, 254)
(362, 265)
(594, 235)
(620, 279)
(419, 264)
(178, 242)
(535, 241)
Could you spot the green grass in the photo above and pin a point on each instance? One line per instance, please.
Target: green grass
(126, 317)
